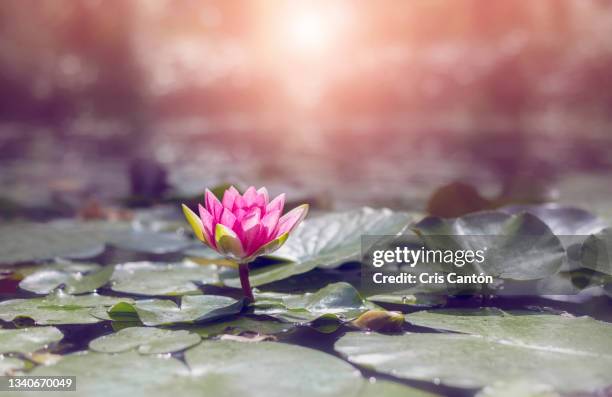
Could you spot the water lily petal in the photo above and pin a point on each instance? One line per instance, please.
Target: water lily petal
(262, 197)
(249, 196)
(251, 219)
(240, 213)
(213, 205)
(291, 219)
(227, 218)
(229, 197)
(253, 238)
(228, 242)
(278, 203)
(270, 222)
(208, 224)
(195, 222)
(269, 247)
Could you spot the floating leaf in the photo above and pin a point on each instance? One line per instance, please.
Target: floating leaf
(217, 368)
(157, 278)
(198, 308)
(518, 389)
(338, 301)
(408, 298)
(10, 364)
(248, 338)
(202, 251)
(518, 247)
(22, 242)
(571, 225)
(240, 325)
(148, 241)
(28, 340)
(268, 369)
(570, 354)
(48, 277)
(385, 388)
(122, 374)
(562, 220)
(596, 252)
(327, 241)
(222, 369)
(58, 308)
(70, 275)
(526, 327)
(89, 282)
(147, 341)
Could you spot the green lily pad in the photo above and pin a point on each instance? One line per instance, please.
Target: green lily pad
(202, 251)
(569, 354)
(49, 277)
(240, 325)
(408, 298)
(221, 369)
(146, 340)
(148, 241)
(122, 374)
(227, 368)
(28, 340)
(193, 309)
(596, 252)
(216, 368)
(58, 308)
(338, 301)
(22, 242)
(10, 364)
(385, 388)
(157, 278)
(518, 389)
(570, 224)
(518, 247)
(68, 274)
(522, 327)
(562, 220)
(327, 241)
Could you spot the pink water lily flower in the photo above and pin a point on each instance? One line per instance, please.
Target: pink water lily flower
(243, 227)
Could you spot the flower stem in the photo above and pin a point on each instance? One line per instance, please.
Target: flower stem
(243, 270)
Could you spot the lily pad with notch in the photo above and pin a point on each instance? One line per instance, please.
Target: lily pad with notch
(326, 241)
(29, 241)
(57, 308)
(193, 309)
(339, 302)
(264, 369)
(28, 340)
(569, 353)
(160, 278)
(74, 278)
(146, 340)
(517, 247)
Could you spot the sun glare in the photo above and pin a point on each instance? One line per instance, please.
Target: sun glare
(313, 30)
(309, 31)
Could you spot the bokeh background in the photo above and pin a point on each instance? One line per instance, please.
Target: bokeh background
(344, 103)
